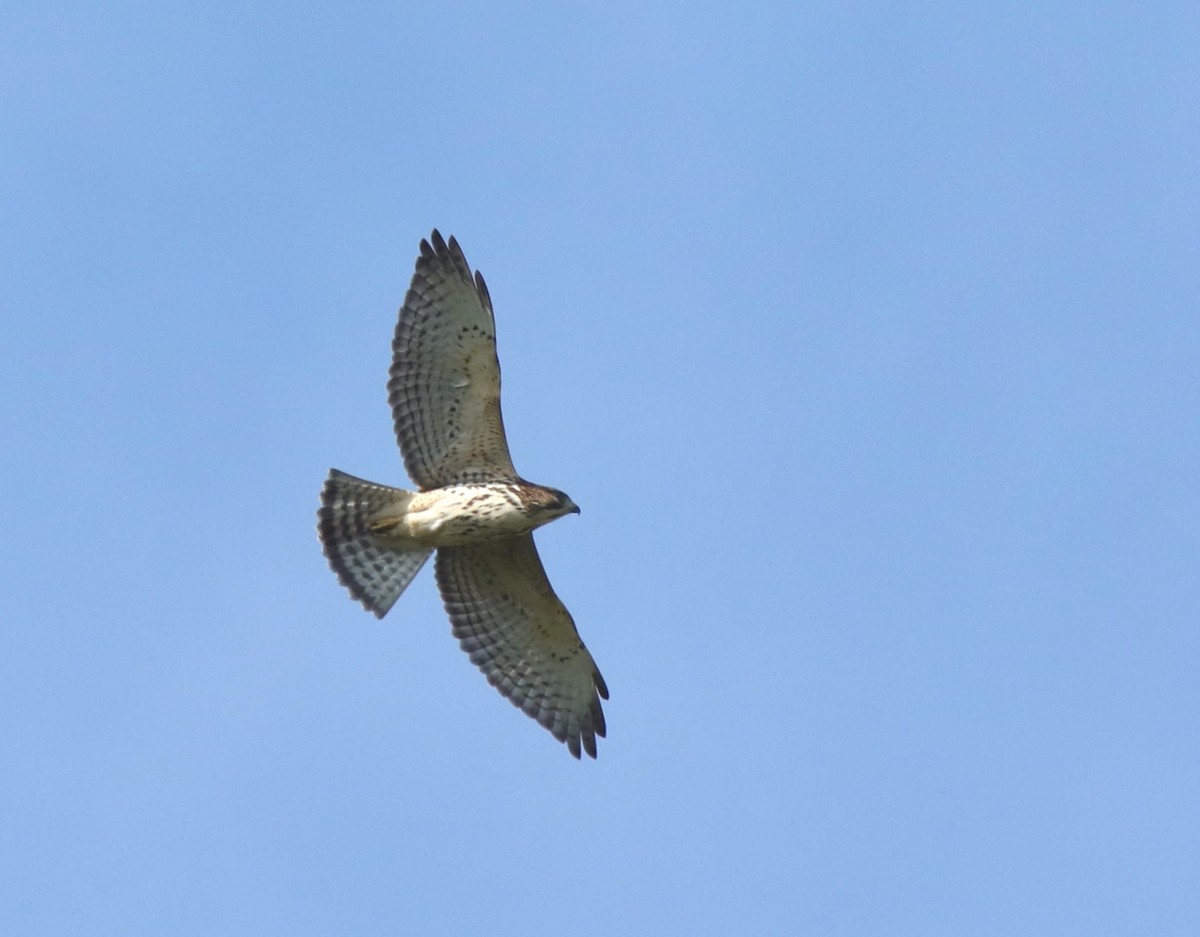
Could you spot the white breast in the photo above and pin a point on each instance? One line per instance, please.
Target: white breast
(461, 514)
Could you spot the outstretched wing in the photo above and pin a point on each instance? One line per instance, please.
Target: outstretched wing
(508, 619)
(444, 386)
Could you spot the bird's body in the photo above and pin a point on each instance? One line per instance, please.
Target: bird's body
(472, 508)
(457, 515)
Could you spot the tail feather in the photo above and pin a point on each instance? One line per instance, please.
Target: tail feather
(374, 571)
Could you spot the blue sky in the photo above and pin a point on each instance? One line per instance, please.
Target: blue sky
(866, 336)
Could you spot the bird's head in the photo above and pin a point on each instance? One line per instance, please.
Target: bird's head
(551, 503)
(563, 505)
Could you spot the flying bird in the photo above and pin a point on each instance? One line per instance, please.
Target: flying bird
(470, 506)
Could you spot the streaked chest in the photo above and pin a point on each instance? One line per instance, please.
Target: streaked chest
(460, 514)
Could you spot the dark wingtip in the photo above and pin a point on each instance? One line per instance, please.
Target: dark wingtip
(601, 686)
(482, 289)
(437, 250)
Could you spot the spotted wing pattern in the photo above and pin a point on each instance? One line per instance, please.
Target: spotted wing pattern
(444, 384)
(508, 619)
(375, 574)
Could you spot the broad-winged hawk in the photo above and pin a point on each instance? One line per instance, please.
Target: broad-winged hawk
(471, 506)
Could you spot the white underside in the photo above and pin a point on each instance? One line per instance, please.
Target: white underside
(454, 515)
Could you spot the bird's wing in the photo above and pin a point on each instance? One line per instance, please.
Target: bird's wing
(508, 619)
(444, 383)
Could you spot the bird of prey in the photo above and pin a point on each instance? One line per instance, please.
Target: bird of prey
(471, 506)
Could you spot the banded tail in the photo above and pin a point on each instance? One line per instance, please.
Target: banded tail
(375, 572)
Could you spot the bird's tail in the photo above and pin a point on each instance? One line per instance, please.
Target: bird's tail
(375, 570)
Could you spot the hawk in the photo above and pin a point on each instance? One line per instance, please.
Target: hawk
(471, 506)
